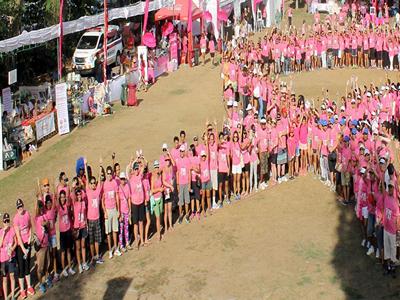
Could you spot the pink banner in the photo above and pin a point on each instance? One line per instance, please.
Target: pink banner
(60, 40)
(189, 26)
(146, 15)
(105, 42)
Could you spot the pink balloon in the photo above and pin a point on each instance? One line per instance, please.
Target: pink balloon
(149, 40)
(207, 16)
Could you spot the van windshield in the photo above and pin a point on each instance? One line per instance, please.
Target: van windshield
(87, 42)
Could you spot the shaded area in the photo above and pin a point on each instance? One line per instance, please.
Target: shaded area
(117, 288)
(360, 276)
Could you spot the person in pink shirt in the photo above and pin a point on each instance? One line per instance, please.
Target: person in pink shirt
(244, 146)
(345, 157)
(183, 180)
(41, 226)
(22, 226)
(156, 199)
(212, 151)
(211, 49)
(80, 230)
(169, 183)
(51, 215)
(205, 179)
(391, 226)
(137, 198)
(124, 192)
(303, 145)
(110, 203)
(8, 243)
(236, 164)
(64, 213)
(203, 48)
(291, 148)
(223, 168)
(195, 184)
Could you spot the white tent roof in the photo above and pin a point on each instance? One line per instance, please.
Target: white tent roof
(83, 23)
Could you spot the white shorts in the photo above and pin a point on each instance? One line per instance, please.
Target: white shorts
(214, 179)
(389, 246)
(236, 169)
(203, 50)
(340, 53)
(53, 241)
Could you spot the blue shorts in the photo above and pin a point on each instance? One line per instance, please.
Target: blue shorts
(297, 151)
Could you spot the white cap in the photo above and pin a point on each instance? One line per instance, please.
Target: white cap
(156, 164)
(368, 94)
(342, 108)
(358, 96)
(362, 146)
(382, 160)
(386, 88)
(164, 146)
(366, 151)
(336, 117)
(376, 93)
(382, 88)
(263, 121)
(122, 175)
(203, 153)
(353, 100)
(363, 170)
(373, 113)
(307, 104)
(235, 104)
(229, 103)
(182, 148)
(249, 107)
(323, 106)
(330, 110)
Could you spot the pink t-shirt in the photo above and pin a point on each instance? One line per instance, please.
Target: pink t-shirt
(223, 158)
(64, 221)
(235, 152)
(110, 189)
(183, 168)
(204, 171)
(79, 214)
(124, 193)
(391, 214)
(291, 146)
(51, 217)
(23, 224)
(93, 198)
(8, 241)
(137, 190)
(213, 156)
(40, 231)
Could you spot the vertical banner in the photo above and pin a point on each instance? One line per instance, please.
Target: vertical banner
(1, 141)
(146, 16)
(60, 39)
(62, 108)
(105, 43)
(7, 100)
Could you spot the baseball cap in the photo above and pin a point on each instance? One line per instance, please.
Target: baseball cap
(156, 164)
(235, 104)
(249, 107)
(342, 108)
(365, 131)
(354, 131)
(368, 94)
(353, 100)
(346, 138)
(182, 148)
(203, 153)
(354, 122)
(6, 217)
(366, 152)
(229, 103)
(263, 121)
(122, 175)
(382, 160)
(19, 203)
(45, 181)
(391, 183)
(135, 165)
(164, 146)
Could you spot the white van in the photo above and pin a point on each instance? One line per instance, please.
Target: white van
(91, 44)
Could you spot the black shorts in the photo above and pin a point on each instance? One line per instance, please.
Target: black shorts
(331, 165)
(222, 177)
(212, 54)
(8, 267)
(379, 55)
(195, 194)
(335, 52)
(82, 233)
(246, 168)
(137, 213)
(273, 158)
(372, 53)
(265, 59)
(66, 241)
(366, 52)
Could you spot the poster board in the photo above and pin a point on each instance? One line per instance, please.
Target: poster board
(62, 108)
(142, 51)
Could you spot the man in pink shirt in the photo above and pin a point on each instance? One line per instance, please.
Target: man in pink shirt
(183, 167)
(262, 141)
(110, 204)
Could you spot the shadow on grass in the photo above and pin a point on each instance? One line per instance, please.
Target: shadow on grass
(117, 288)
(360, 276)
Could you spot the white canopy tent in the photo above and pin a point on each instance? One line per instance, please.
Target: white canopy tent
(83, 23)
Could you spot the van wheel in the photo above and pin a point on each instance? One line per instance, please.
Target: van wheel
(118, 59)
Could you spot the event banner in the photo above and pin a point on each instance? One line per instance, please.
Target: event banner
(7, 100)
(62, 108)
(45, 126)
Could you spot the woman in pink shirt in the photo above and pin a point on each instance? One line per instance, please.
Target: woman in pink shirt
(291, 148)
(205, 178)
(50, 211)
(303, 145)
(8, 243)
(156, 201)
(211, 48)
(80, 230)
(64, 214)
(169, 183)
(195, 185)
(124, 192)
(237, 160)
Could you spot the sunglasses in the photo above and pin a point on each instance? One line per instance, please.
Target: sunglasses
(164, 150)
(46, 185)
(6, 221)
(93, 182)
(109, 173)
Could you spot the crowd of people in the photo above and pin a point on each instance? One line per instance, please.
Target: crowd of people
(269, 136)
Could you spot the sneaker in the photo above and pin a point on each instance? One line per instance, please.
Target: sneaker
(31, 291)
(80, 269)
(117, 252)
(56, 278)
(187, 219)
(228, 201)
(110, 254)
(363, 243)
(71, 271)
(284, 178)
(377, 255)
(22, 294)
(279, 180)
(219, 206)
(49, 283)
(85, 267)
(371, 250)
(368, 244)
(180, 220)
(64, 273)
(42, 288)
(123, 249)
(100, 260)
(215, 206)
